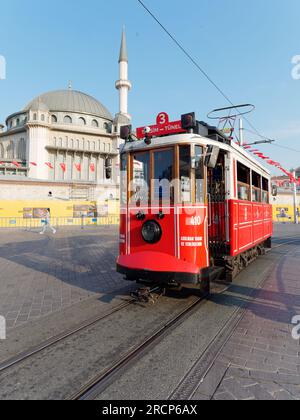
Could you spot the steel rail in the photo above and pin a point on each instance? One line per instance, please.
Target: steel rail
(21, 357)
(189, 385)
(100, 382)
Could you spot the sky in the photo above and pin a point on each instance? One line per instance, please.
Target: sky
(245, 47)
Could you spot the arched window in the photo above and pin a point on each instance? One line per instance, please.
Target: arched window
(67, 119)
(1, 151)
(71, 144)
(95, 124)
(54, 119)
(43, 117)
(81, 121)
(107, 127)
(22, 150)
(18, 121)
(34, 117)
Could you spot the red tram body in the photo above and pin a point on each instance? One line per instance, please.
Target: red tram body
(195, 205)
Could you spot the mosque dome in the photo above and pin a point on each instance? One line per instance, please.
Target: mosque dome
(69, 101)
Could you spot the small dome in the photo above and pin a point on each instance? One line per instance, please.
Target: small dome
(69, 101)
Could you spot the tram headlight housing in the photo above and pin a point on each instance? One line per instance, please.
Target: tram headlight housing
(188, 121)
(125, 132)
(151, 232)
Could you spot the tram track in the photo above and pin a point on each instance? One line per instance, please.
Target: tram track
(35, 350)
(200, 370)
(100, 382)
(189, 385)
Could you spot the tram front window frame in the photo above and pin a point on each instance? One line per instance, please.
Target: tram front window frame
(183, 189)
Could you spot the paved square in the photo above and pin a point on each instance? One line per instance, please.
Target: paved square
(262, 357)
(40, 275)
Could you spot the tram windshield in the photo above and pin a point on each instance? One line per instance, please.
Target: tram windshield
(166, 176)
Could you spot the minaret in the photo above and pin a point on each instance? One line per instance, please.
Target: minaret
(123, 85)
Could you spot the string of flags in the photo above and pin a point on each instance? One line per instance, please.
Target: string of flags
(63, 166)
(271, 162)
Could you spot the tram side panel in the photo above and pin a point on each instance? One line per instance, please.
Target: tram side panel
(250, 225)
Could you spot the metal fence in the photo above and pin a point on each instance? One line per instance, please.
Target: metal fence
(82, 222)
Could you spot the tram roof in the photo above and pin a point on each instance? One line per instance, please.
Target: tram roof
(156, 142)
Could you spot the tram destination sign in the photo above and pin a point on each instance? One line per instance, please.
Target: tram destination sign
(163, 127)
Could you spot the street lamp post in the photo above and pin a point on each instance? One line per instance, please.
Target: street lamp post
(296, 218)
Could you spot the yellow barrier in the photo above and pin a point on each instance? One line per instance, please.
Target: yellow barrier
(13, 222)
(284, 213)
(29, 214)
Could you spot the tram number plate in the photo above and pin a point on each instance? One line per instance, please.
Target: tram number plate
(194, 221)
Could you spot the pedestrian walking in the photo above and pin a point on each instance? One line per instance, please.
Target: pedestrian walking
(47, 224)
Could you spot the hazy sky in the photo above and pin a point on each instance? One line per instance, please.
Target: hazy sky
(245, 47)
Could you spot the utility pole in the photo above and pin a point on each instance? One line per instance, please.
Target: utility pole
(296, 218)
(241, 130)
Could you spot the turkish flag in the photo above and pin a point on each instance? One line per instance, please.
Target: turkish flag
(78, 167)
(33, 164)
(49, 165)
(63, 167)
(16, 164)
(92, 166)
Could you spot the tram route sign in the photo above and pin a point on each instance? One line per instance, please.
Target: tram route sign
(163, 127)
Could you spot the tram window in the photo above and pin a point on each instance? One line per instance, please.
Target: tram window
(141, 177)
(163, 190)
(124, 179)
(185, 173)
(256, 187)
(199, 174)
(243, 177)
(265, 190)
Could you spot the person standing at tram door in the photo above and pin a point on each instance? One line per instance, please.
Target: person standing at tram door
(47, 224)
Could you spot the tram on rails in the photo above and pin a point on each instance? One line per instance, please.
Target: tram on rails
(195, 206)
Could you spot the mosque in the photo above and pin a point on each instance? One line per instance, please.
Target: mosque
(66, 136)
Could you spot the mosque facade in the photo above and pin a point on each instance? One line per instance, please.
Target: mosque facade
(66, 136)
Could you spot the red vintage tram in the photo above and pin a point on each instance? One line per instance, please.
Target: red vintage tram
(195, 206)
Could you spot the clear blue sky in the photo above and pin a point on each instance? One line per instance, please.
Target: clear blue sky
(246, 47)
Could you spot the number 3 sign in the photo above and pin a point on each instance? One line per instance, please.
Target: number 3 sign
(162, 118)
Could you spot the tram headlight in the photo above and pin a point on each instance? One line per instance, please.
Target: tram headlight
(188, 121)
(151, 232)
(125, 132)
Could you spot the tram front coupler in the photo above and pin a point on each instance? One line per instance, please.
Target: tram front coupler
(148, 294)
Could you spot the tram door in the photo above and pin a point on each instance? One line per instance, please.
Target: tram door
(217, 208)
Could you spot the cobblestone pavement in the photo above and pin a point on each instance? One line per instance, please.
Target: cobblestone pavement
(40, 275)
(261, 361)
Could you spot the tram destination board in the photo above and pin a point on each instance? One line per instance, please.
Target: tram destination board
(163, 127)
